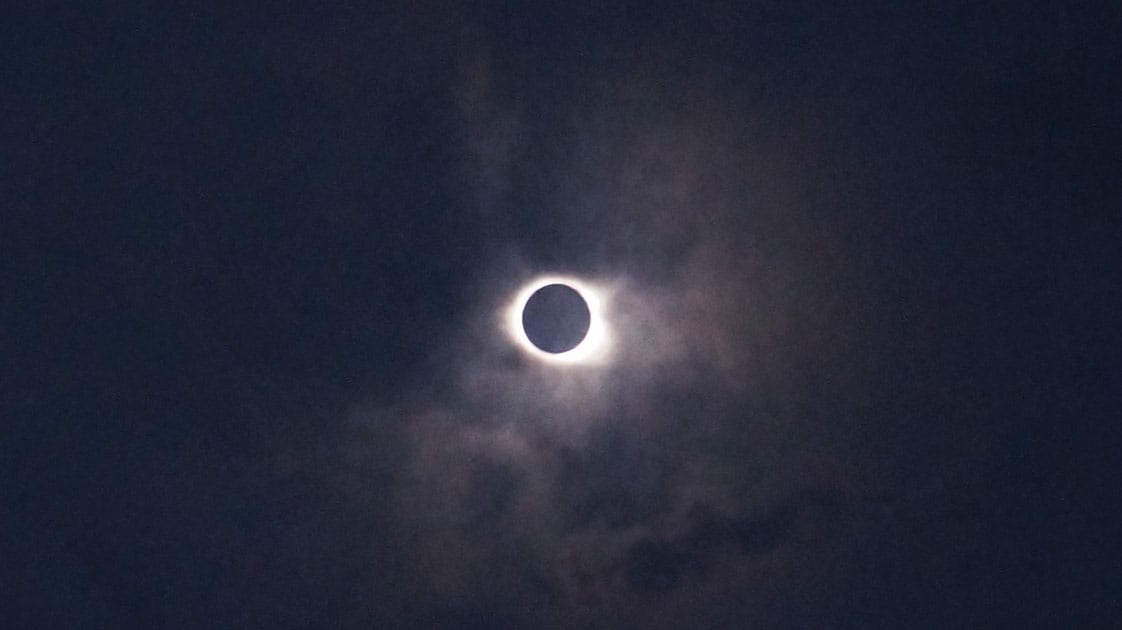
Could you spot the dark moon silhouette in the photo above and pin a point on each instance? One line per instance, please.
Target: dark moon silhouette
(556, 318)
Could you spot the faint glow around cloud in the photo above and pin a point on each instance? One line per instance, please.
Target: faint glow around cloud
(595, 346)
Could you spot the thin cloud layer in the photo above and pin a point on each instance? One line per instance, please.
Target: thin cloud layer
(695, 457)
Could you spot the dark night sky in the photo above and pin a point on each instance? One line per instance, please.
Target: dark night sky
(863, 304)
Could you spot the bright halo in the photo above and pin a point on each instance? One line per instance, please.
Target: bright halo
(592, 349)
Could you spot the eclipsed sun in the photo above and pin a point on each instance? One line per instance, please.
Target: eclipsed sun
(559, 319)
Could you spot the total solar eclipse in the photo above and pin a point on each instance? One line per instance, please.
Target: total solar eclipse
(559, 319)
(556, 318)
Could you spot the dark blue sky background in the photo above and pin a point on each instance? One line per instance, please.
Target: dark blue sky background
(868, 327)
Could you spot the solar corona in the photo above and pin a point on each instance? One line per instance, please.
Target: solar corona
(559, 319)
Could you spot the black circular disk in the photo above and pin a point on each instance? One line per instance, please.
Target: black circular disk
(556, 318)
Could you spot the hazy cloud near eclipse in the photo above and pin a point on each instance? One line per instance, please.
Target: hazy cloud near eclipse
(700, 447)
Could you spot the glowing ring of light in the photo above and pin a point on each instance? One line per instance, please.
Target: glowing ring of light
(592, 349)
